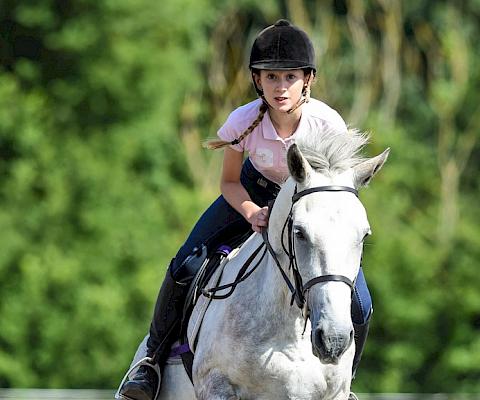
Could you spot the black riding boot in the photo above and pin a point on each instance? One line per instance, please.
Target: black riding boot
(164, 330)
(360, 335)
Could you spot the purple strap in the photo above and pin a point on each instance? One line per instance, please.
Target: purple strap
(176, 351)
(224, 249)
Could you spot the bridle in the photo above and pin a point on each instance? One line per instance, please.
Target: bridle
(297, 288)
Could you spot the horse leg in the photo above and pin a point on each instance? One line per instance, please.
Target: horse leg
(215, 386)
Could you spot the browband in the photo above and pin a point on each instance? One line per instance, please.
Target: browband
(332, 188)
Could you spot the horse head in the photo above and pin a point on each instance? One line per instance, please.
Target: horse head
(327, 227)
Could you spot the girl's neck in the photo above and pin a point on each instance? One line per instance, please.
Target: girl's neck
(285, 124)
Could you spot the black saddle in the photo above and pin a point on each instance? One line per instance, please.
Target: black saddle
(209, 262)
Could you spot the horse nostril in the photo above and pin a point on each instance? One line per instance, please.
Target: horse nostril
(318, 334)
(352, 336)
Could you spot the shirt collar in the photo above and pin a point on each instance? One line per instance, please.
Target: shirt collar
(270, 133)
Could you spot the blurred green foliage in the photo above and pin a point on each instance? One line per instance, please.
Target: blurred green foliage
(103, 105)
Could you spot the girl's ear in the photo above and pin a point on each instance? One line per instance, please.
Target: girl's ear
(256, 78)
(308, 79)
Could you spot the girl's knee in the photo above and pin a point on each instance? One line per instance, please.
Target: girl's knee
(362, 307)
(187, 267)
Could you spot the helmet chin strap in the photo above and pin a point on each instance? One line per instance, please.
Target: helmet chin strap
(305, 98)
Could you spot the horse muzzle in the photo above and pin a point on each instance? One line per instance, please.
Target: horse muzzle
(330, 346)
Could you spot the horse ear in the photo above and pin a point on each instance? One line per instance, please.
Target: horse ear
(365, 171)
(298, 166)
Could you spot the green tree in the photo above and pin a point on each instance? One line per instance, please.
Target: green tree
(103, 106)
(95, 196)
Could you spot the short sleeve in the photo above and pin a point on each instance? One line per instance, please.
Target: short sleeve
(237, 122)
(337, 122)
(228, 132)
(318, 109)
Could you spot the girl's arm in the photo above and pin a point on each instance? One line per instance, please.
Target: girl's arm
(235, 193)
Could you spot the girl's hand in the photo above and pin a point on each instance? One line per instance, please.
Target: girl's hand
(259, 219)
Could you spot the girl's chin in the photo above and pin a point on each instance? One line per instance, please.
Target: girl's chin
(282, 106)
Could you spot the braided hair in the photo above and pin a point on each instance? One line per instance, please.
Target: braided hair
(214, 144)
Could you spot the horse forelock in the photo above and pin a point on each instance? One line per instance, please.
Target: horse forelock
(330, 151)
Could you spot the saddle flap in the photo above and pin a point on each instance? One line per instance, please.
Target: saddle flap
(202, 303)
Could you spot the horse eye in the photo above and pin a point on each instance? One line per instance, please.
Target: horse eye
(299, 234)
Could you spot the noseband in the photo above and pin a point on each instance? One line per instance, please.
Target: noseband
(298, 289)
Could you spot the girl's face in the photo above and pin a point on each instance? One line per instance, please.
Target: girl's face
(282, 89)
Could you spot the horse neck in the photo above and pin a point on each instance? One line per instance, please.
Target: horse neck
(275, 297)
(274, 290)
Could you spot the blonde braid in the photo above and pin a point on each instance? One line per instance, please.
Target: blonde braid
(214, 144)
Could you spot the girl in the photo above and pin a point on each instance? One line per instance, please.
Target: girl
(282, 63)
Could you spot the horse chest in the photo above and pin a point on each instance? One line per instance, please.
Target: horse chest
(271, 369)
(281, 373)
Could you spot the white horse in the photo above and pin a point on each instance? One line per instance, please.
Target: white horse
(255, 344)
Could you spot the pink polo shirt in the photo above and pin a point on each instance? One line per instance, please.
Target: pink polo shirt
(267, 150)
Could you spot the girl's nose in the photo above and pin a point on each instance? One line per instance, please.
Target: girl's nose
(282, 85)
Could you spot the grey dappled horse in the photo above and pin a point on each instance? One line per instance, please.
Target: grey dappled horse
(255, 344)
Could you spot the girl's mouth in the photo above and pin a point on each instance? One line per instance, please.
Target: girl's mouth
(280, 99)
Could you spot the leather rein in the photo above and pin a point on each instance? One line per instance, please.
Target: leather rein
(297, 288)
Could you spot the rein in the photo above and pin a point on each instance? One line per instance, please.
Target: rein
(241, 276)
(298, 289)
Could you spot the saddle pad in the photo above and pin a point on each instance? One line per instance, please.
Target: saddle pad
(203, 302)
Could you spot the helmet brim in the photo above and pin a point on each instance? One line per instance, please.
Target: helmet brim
(281, 65)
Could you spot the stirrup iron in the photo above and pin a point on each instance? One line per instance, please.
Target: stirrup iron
(149, 362)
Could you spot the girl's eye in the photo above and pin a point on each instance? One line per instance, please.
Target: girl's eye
(271, 76)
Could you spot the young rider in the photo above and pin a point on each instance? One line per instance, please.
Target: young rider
(282, 64)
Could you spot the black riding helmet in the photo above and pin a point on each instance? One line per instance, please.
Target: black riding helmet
(282, 46)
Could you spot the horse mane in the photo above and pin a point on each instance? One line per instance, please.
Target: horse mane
(330, 151)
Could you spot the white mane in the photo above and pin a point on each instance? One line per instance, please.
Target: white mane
(330, 151)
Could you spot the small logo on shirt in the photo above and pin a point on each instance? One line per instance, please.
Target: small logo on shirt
(264, 157)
